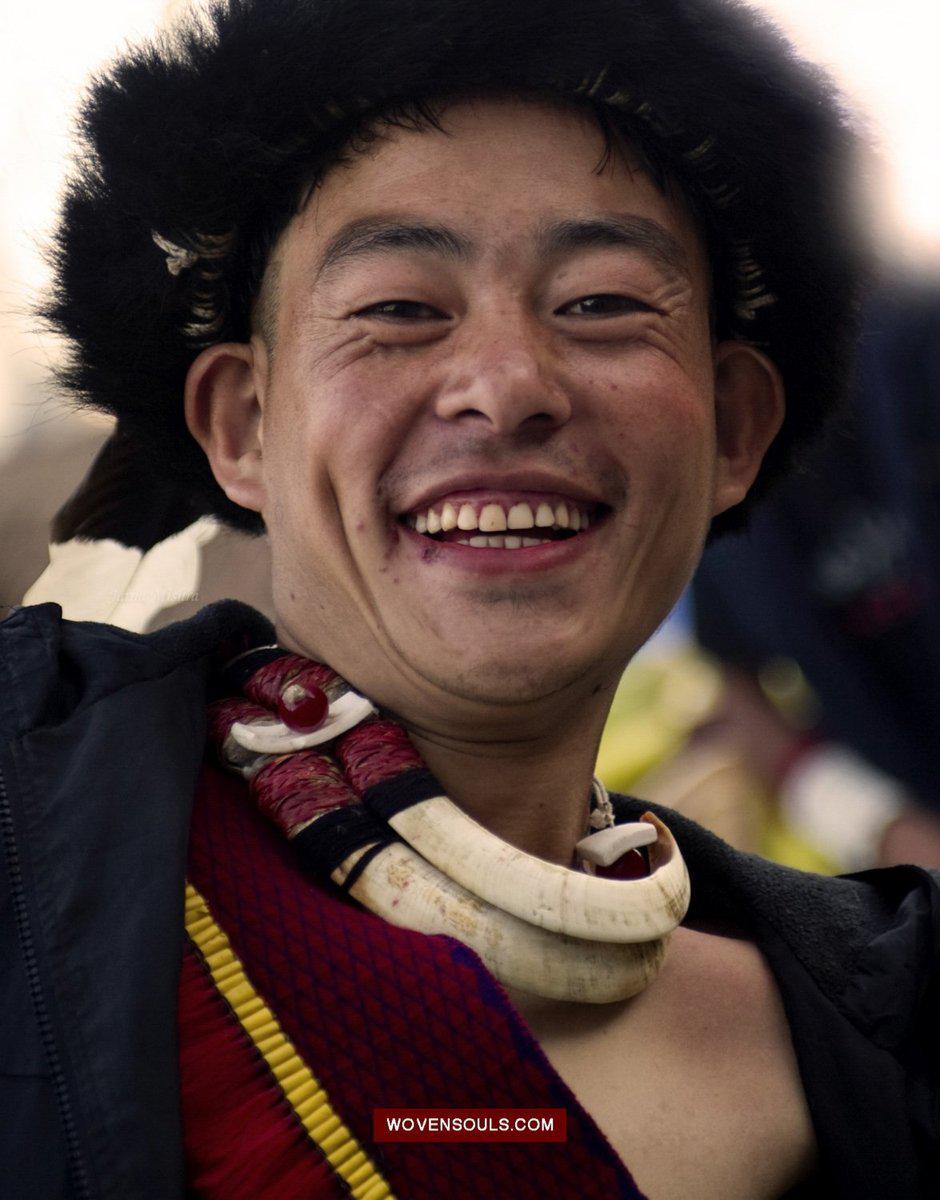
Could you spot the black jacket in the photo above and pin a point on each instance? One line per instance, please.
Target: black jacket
(101, 736)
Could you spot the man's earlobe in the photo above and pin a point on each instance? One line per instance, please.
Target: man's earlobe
(749, 410)
(224, 406)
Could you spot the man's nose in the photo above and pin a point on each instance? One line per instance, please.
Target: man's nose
(502, 378)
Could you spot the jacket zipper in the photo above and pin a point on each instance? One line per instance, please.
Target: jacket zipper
(77, 1170)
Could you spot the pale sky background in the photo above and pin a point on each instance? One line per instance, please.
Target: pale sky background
(885, 56)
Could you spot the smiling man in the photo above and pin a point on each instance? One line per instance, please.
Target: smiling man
(487, 319)
(488, 427)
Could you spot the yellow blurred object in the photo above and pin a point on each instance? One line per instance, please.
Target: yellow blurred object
(660, 700)
(786, 687)
(647, 750)
(782, 845)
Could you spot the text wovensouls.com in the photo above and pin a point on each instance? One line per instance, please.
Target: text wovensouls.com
(470, 1124)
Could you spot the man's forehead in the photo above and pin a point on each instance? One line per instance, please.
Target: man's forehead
(497, 169)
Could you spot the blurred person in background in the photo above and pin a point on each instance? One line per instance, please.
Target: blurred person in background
(839, 571)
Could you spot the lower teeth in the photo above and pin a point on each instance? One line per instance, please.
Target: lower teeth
(502, 543)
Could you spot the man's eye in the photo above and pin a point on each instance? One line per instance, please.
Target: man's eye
(605, 305)
(401, 310)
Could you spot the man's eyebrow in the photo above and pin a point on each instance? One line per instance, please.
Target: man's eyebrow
(623, 232)
(380, 236)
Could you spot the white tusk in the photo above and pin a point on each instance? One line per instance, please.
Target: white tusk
(607, 845)
(543, 893)
(274, 737)
(399, 886)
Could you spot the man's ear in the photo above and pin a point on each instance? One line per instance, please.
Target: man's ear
(224, 405)
(749, 410)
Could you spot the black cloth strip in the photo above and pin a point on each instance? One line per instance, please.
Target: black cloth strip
(362, 864)
(393, 796)
(324, 844)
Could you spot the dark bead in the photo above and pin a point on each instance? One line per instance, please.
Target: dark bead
(632, 865)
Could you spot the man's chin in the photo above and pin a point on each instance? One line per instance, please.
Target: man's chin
(509, 676)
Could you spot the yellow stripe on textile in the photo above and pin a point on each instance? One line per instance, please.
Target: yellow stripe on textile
(302, 1090)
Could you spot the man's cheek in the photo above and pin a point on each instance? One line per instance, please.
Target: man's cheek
(356, 417)
(664, 441)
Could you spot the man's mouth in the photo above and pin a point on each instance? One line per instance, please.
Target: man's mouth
(506, 522)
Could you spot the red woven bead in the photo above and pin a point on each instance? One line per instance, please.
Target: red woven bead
(269, 681)
(376, 751)
(303, 707)
(294, 788)
(222, 715)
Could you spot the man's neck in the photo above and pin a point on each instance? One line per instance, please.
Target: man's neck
(533, 794)
(523, 770)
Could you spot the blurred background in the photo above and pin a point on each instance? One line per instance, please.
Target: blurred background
(792, 701)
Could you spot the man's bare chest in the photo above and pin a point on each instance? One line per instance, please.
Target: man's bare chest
(694, 1082)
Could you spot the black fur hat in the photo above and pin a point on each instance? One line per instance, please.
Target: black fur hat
(195, 150)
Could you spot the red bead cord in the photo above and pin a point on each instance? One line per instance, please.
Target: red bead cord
(267, 683)
(294, 788)
(375, 751)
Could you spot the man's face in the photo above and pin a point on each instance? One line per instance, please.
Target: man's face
(476, 323)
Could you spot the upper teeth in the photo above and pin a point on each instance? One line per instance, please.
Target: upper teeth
(495, 518)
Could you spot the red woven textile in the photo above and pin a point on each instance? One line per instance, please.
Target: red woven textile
(241, 1137)
(387, 1017)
